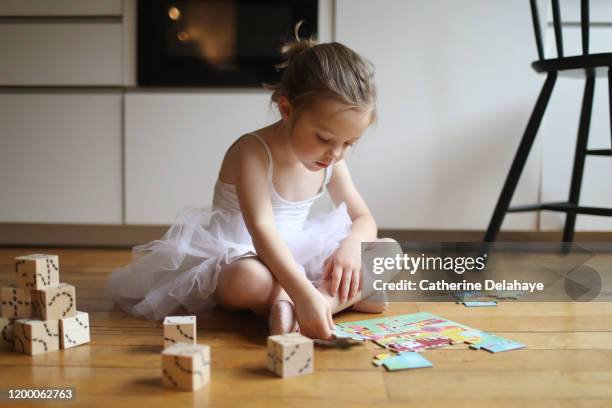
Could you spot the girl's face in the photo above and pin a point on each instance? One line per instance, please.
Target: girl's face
(324, 132)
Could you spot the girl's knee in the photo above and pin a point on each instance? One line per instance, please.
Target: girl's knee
(251, 274)
(245, 283)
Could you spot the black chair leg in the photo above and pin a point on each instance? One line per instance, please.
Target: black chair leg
(580, 155)
(520, 158)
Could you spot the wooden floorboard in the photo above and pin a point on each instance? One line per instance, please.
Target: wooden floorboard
(567, 363)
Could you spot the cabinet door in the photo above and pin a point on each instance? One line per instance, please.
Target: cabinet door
(60, 8)
(455, 93)
(559, 132)
(60, 159)
(175, 143)
(61, 54)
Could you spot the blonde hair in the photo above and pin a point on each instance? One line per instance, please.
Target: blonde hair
(312, 71)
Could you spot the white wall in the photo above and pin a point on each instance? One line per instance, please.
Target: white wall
(455, 92)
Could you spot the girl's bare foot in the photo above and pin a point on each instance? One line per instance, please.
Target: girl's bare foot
(370, 306)
(282, 319)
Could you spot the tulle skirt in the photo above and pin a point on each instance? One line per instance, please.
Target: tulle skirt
(182, 268)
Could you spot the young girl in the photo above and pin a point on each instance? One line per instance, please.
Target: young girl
(256, 249)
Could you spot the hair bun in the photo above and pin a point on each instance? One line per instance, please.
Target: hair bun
(313, 71)
(290, 50)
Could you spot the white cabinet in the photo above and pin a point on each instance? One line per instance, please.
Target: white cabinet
(60, 158)
(455, 93)
(60, 7)
(61, 54)
(175, 144)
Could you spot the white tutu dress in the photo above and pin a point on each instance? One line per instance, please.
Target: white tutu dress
(182, 268)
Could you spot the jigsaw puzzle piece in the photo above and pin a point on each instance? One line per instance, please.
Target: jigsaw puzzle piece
(406, 361)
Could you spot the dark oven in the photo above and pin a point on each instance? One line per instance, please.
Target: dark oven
(217, 43)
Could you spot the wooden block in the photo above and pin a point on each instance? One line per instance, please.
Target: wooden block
(179, 329)
(6, 333)
(186, 366)
(36, 336)
(16, 302)
(37, 271)
(54, 303)
(74, 331)
(290, 355)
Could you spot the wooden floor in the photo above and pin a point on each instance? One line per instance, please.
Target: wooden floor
(567, 363)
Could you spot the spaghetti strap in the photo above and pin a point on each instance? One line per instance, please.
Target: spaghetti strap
(328, 170)
(328, 173)
(265, 145)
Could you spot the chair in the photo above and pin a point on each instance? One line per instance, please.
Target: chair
(587, 65)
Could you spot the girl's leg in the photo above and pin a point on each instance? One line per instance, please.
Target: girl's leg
(248, 284)
(357, 303)
(282, 316)
(282, 319)
(361, 301)
(370, 306)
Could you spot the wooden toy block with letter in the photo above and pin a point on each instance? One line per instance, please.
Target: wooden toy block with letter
(186, 366)
(36, 336)
(74, 331)
(290, 355)
(179, 329)
(16, 302)
(6, 333)
(54, 303)
(37, 271)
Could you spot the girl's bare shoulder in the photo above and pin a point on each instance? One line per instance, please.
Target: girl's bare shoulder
(245, 148)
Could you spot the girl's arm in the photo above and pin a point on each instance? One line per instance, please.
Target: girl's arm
(344, 267)
(341, 188)
(312, 311)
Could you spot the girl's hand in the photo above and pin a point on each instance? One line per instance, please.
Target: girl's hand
(344, 269)
(314, 316)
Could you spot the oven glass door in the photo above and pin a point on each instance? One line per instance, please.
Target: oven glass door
(217, 42)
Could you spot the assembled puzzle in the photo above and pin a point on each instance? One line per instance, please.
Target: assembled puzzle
(421, 331)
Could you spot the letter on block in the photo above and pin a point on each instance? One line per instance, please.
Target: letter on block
(54, 303)
(6, 333)
(186, 366)
(36, 336)
(37, 271)
(290, 355)
(74, 330)
(179, 329)
(16, 303)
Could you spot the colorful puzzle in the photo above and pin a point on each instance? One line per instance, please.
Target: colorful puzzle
(418, 332)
